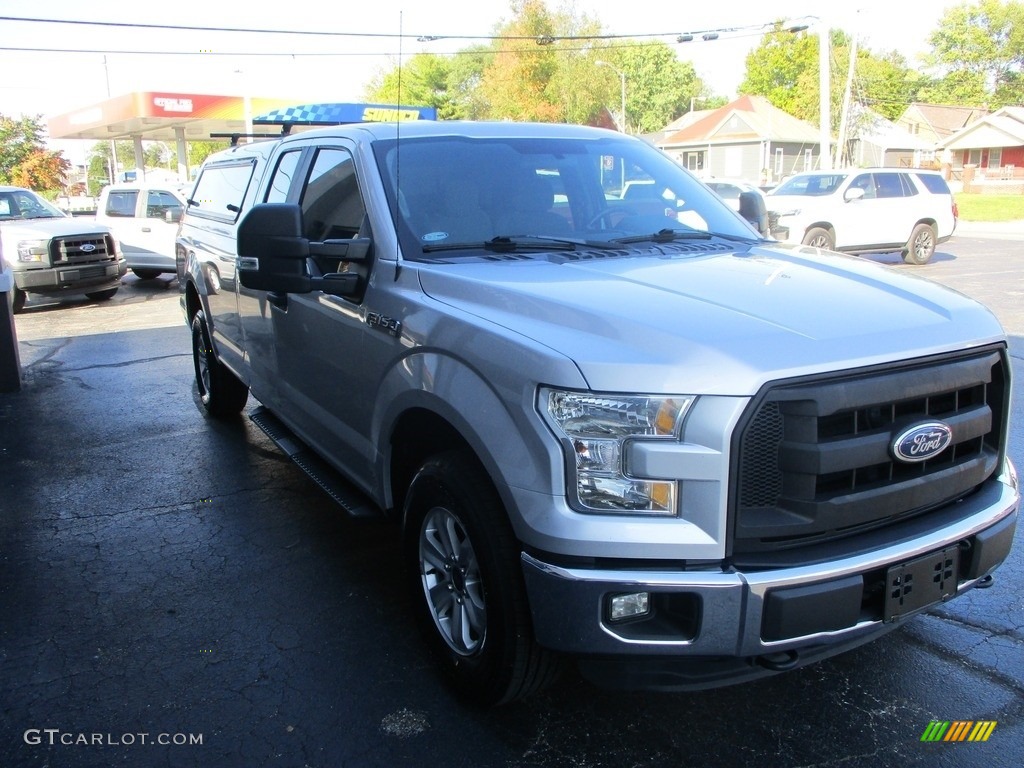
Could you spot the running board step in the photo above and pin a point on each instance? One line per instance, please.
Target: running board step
(351, 499)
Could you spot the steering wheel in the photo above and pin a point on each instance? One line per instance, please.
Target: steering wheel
(607, 213)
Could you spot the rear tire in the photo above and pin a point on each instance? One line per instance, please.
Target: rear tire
(819, 237)
(102, 295)
(467, 583)
(921, 245)
(222, 393)
(146, 274)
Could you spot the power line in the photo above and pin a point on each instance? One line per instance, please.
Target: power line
(706, 34)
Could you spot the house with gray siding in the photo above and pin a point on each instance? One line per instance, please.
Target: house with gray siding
(749, 138)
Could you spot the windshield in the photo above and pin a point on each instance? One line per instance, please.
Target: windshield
(455, 194)
(810, 185)
(24, 204)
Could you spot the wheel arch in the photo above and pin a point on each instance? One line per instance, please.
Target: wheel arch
(827, 225)
(455, 407)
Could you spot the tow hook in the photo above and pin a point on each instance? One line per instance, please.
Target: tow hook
(779, 662)
(984, 582)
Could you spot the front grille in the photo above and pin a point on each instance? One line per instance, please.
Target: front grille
(81, 249)
(814, 459)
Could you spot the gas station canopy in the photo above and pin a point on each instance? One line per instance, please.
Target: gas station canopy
(181, 117)
(158, 116)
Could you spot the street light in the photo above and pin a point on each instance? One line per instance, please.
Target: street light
(622, 81)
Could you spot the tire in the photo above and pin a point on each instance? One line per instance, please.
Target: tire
(146, 274)
(467, 584)
(819, 237)
(18, 298)
(921, 246)
(106, 295)
(223, 395)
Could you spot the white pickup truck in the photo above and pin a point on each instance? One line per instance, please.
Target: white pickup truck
(630, 433)
(50, 252)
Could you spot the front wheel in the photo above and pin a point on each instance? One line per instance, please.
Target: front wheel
(921, 245)
(221, 392)
(102, 295)
(467, 583)
(18, 298)
(146, 274)
(819, 237)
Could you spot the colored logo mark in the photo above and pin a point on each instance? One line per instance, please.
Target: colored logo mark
(958, 730)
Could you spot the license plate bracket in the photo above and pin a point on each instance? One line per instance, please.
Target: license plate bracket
(920, 582)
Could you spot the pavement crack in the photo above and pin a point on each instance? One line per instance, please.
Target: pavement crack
(129, 363)
(992, 673)
(993, 630)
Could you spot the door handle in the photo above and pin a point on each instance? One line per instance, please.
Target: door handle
(146, 229)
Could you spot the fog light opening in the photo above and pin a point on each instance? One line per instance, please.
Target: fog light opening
(631, 605)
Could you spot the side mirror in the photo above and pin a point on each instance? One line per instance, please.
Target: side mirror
(754, 210)
(853, 193)
(172, 215)
(272, 253)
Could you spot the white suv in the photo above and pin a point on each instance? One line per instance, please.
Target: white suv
(866, 211)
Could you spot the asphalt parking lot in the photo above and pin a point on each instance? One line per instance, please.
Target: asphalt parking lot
(173, 592)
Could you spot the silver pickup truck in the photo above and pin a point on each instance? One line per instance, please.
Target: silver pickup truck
(627, 432)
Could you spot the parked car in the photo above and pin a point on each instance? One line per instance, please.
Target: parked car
(731, 189)
(144, 217)
(866, 211)
(50, 252)
(628, 432)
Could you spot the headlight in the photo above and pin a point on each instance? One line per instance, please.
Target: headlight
(32, 250)
(594, 430)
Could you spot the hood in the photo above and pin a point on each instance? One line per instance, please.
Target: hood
(714, 324)
(37, 229)
(783, 203)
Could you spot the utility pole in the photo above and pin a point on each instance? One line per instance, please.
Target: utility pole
(844, 119)
(825, 98)
(113, 144)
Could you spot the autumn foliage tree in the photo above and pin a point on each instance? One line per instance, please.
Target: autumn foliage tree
(542, 65)
(24, 159)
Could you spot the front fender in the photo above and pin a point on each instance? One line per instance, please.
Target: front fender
(501, 427)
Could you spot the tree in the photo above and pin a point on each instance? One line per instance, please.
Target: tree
(784, 69)
(520, 83)
(542, 66)
(659, 87)
(24, 159)
(886, 83)
(424, 82)
(978, 51)
(42, 170)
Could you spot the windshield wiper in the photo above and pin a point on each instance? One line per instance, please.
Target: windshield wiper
(517, 243)
(671, 235)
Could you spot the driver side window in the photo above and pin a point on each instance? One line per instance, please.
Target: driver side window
(332, 209)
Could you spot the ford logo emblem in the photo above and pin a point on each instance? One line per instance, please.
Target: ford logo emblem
(87, 248)
(922, 441)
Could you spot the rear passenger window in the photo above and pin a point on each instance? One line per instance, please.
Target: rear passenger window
(888, 185)
(121, 203)
(933, 183)
(220, 190)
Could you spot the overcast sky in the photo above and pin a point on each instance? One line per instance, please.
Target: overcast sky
(51, 82)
